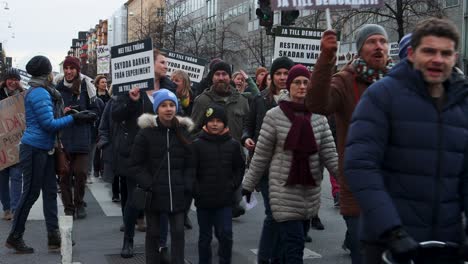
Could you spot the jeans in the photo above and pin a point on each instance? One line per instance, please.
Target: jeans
(38, 169)
(292, 240)
(77, 179)
(268, 246)
(152, 239)
(11, 187)
(352, 238)
(221, 220)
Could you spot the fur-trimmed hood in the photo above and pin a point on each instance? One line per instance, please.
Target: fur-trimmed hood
(149, 120)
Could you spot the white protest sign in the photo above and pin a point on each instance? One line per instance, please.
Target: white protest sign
(193, 66)
(393, 48)
(132, 66)
(103, 59)
(324, 4)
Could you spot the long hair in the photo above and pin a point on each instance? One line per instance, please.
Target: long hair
(185, 90)
(263, 84)
(178, 129)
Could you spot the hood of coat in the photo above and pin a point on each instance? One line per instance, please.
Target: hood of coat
(150, 120)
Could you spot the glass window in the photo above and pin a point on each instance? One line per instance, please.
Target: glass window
(451, 3)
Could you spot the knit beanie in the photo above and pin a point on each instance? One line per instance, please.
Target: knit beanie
(260, 70)
(405, 42)
(213, 62)
(281, 63)
(162, 95)
(366, 31)
(11, 73)
(38, 66)
(72, 62)
(296, 71)
(215, 111)
(221, 66)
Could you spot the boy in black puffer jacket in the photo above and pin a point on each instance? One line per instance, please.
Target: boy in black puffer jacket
(219, 171)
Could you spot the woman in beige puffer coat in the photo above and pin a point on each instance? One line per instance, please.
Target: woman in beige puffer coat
(294, 145)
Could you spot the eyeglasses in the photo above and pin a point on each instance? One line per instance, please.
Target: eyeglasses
(299, 82)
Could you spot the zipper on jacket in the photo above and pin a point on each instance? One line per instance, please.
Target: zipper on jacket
(169, 169)
(438, 179)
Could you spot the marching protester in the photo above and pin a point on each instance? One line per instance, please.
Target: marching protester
(268, 249)
(338, 94)
(10, 195)
(125, 112)
(220, 168)
(43, 109)
(407, 151)
(184, 92)
(293, 146)
(162, 165)
(78, 94)
(244, 84)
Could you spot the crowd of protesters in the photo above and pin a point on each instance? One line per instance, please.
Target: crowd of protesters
(393, 138)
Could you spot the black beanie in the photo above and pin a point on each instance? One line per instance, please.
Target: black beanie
(280, 63)
(215, 111)
(221, 66)
(38, 66)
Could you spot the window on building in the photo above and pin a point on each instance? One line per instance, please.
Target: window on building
(451, 3)
(160, 12)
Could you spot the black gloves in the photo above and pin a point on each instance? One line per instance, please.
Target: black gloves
(84, 117)
(401, 245)
(247, 194)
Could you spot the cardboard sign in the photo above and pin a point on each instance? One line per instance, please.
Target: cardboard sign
(324, 4)
(132, 66)
(12, 125)
(103, 59)
(193, 66)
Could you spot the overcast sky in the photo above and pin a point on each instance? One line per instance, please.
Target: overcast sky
(47, 27)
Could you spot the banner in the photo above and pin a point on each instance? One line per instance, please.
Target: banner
(132, 66)
(12, 125)
(324, 4)
(193, 66)
(103, 59)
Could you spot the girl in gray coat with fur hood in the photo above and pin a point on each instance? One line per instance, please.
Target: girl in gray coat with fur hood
(295, 144)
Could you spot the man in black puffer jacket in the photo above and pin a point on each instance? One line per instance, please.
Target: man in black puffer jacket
(220, 168)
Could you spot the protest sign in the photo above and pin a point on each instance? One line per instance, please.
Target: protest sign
(393, 49)
(12, 125)
(193, 66)
(24, 78)
(132, 66)
(324, 4)
(103, 59)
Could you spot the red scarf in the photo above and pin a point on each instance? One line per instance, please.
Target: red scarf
(301, 141)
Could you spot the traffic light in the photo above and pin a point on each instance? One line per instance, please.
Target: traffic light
(289, 17)
(264, 13)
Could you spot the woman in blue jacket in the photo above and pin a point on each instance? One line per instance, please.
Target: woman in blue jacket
(43, 110)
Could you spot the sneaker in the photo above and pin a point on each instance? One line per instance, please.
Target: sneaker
(89, 180)
(81, 213)
(116, 199)
(16, 242)
(237, 211)
(54, 240)
(336, 200)
(316, 223)
(7, 215)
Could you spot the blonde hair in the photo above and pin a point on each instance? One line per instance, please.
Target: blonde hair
(185, 90)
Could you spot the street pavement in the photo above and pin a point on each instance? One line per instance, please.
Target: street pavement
(98, 239)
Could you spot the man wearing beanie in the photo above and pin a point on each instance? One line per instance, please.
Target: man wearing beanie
(338, 94)
(76, 140)
(268, 248)
(235, 105)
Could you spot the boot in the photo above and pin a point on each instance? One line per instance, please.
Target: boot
(141, 226)
(127, 249)
(16, 242)
(187, 222)
(81, 213)
(316, 223)
(54, 240)
(237, 211)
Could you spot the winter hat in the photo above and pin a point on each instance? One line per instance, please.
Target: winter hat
(215, 111)
(260, 70)
(72, 62)
(280, 63)
(296, 71)
(162, 95)
(38, 66)
(405, 42)
(213, 62)
(11, 73)
(221, 66)
(366, 31)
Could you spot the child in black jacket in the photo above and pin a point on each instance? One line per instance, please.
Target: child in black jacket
(219, 171)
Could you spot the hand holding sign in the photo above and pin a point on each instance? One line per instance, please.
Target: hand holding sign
(134, 94)
(329, 44)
